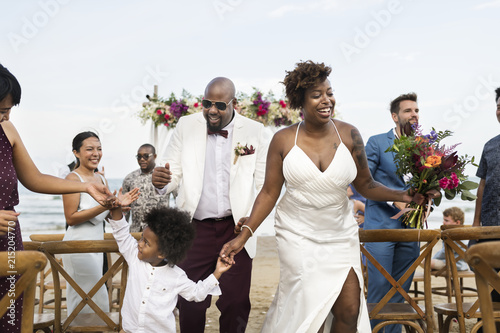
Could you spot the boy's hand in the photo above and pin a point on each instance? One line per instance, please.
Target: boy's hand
(127, 198)
(221, 267)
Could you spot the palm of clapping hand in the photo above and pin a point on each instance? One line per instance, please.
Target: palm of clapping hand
(126, 199)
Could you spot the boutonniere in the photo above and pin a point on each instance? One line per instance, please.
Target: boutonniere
(241, 150)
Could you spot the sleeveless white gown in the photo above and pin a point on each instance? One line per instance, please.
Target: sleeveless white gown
(86, 268)
(318, 243)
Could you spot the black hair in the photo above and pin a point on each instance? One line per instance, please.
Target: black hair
(9, 86)
(174, 231)
(394, 106)
(78, 142)
(497, 91)
(305, 75)
(148, 145)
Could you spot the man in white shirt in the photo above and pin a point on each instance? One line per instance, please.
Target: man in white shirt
(217, 187)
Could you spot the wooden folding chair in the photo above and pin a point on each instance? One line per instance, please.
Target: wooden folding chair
(444, 272)
(76, 321)
(485, 258)
(27, 264)
(41, 321)
(460, 310)
(409, 314)
(45, 285)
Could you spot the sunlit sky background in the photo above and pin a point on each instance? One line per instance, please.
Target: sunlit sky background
(87, 65)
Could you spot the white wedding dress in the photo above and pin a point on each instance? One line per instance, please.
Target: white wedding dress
(86, 268)
(318, 243)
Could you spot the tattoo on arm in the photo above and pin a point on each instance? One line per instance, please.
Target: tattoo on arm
(358, 149)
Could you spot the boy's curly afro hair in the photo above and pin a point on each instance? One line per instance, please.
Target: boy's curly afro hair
(305, 75)
(174, 231)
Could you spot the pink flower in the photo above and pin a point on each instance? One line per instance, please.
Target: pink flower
(167, 124)
(196, 104)
(453, 183)
(282, 103)
(443, 182)
(449, 183)
(158, 111)
(167, 117)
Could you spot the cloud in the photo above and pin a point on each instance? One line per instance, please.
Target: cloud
(281, 11)
(396, 55)
(486, 5)
(321, 5)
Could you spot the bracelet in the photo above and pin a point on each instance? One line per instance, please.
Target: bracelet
(245, 226)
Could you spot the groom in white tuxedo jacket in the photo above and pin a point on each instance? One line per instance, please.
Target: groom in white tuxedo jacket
(217, 186)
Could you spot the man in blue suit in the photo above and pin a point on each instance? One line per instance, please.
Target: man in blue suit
(395, 257)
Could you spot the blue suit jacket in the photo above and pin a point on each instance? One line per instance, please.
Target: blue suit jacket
(378, 214)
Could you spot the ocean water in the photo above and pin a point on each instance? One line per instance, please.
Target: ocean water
(42, 213)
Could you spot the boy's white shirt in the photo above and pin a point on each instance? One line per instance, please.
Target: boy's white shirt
(152, 292)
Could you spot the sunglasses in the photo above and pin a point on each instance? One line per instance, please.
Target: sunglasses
(145, 156)
(207, 104)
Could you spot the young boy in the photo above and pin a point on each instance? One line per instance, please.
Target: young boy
(451, 216)
(154, 280)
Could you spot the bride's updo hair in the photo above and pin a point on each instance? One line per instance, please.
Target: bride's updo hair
(305, 75)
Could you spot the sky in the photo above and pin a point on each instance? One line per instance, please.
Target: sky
(87, 65)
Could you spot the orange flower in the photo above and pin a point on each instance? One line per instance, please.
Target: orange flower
(432, 161)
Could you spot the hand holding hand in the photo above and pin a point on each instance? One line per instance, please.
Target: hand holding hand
(231, 248)
(100, 193)
(162, 176)
(8, 219)
(221, 267)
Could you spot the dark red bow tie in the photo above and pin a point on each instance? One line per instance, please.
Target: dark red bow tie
(220, 132)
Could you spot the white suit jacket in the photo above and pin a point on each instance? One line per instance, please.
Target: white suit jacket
(186, 155)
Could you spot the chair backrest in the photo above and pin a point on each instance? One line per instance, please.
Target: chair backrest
(98, 321)
(451, 237)
(485, 258)
(59, 237)
(27, 264)
(403, 314)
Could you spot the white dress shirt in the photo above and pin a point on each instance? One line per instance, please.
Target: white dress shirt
(214, 200)
(151, 292)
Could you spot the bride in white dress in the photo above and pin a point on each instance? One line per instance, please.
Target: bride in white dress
(320, 287)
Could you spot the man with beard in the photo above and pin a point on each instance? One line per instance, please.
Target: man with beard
(141, 178)
(395, 257)
(217, 185)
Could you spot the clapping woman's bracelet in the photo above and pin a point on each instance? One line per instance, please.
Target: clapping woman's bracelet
(245, 226)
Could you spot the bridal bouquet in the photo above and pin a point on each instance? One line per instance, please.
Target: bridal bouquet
(430, 166)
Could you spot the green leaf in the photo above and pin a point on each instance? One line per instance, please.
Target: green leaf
(437, 200)
(449, 195)
(469, 185)
(466, 195)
